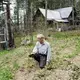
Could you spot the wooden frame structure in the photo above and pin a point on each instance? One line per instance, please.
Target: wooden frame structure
(9, 39)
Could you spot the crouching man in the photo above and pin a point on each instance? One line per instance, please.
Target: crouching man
(41, 51)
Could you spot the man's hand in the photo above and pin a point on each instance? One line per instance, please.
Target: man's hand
(31, 55)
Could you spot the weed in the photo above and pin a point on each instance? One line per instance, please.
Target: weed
(6, 74)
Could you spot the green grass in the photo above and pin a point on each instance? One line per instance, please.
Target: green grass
(16, 66)
(4, 52)
(66, 34)
(65, 45)
(5, 74)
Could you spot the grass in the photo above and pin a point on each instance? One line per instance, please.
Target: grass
(6, 74)
(65, 45)
(4, 52)
(66, 34)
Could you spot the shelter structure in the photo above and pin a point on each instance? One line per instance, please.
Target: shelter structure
(60, 18)
(6, 35)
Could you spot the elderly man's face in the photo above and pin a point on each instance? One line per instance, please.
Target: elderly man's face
(41, 40)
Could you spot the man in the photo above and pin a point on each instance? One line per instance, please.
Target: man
(41, 51)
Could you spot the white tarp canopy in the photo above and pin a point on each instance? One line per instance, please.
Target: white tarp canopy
(62, 20)
(51, 15)
(60, 15)
(65, 12)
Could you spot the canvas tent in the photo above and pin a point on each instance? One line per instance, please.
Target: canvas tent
(58, 18)
(59, 15)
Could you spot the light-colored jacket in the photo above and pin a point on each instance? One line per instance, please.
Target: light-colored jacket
(43, 49)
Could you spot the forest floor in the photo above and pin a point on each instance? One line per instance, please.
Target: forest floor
(65, 64)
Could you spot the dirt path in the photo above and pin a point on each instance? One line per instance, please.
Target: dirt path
(76, 60)
(23, 74)
(57, 74)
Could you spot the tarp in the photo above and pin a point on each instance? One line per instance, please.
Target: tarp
(51, 15)
(62, 20)
(60, 15)
(65, 12)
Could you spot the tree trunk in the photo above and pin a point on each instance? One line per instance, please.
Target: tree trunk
(17, 14)
(26, 17)
(10, 34)
(45, 28)
(31, 29)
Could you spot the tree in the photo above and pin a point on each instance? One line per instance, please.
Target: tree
(10, 34)
(17, 9)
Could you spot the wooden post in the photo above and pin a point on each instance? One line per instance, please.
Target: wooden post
(6, 26)
(73, 12)
(57, 26)
(17, 14)
(26, 23)
(54, 25)
(10, 35)
(45, 32)
(45, 13)
(68, 3)
(60, 5)
(31, 23)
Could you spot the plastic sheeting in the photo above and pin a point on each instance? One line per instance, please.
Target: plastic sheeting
(60, 15)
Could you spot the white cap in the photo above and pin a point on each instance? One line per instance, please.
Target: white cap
(40, 36)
